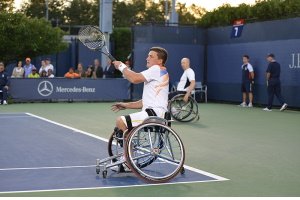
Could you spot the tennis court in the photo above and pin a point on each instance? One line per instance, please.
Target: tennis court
(50, 150)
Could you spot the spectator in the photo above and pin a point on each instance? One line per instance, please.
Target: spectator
(28, 67)
(43, 67)
(18, 71)
(109, 70)
(49, 65)
(247, 82)
(3, 84)
(273, 83)
(97, 69)
(72, 74)
(43, 74)
(34, 73)
(80, 70)
(50, 75)
(89, 72)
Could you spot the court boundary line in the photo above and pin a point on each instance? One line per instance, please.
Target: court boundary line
(214, 176)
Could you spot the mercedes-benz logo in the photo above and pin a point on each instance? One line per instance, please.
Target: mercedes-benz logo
(45, 88)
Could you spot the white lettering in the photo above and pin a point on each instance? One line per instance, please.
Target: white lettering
(295, 61)
(75, 90)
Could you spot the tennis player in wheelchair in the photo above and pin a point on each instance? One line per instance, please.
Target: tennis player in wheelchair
(182, 106)
(154, 101)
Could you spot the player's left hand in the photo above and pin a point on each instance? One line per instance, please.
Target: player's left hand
(118, 106)
(186, 98)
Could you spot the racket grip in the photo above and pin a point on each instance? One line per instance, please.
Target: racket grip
(111, 57)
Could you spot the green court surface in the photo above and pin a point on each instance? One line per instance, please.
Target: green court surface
(259, 152)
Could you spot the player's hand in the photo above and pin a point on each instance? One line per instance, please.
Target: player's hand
(118, 106)
(117, 64)
(186, 98)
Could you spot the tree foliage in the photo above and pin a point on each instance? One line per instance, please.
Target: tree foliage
(262, 10)
(21, 37)
(6, 6)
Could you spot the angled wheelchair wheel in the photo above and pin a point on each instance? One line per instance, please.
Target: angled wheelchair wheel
(154, 152)
(115, 145)
(183, 111)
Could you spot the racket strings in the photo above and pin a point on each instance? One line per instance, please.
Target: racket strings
(91, 37)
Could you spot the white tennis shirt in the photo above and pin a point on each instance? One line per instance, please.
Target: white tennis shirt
(188, 75)
(156, 88)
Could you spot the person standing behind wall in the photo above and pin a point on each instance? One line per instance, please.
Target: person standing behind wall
(247, 82)
(273, 83)
(28, 67)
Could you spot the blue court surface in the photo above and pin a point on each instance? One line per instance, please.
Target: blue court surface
(37, 154)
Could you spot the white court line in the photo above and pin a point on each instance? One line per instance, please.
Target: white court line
(216, 177)
(35, 168)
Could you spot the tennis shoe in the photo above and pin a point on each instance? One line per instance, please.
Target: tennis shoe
(243, 104)
(283, 107)
(267, 109)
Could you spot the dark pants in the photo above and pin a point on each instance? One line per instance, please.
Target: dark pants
(173, 94)
(3, 94)
(274, 88)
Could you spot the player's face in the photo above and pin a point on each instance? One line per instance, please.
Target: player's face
(153, 59)
(1, 68)
(245, 60)
(184, 64)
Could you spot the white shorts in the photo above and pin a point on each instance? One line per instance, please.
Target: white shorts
(138, 117)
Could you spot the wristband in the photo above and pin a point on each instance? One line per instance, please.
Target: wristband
(122, 67)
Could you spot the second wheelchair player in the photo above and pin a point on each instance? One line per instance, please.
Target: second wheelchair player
(182, 106)
(154, 101)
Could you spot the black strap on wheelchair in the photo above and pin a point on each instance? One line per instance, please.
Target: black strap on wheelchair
(150, 112)
(168, 117)
(128, 121)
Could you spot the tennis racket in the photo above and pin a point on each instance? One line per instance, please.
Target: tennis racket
(94, 39)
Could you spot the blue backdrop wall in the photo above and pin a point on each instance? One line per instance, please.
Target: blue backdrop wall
(224, 59)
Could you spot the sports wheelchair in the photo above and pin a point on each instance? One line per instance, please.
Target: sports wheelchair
(153, 151)
(183, 111)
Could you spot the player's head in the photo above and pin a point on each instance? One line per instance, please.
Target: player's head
(246, 59)
(185, 63)
(270, 57)
(1, 66)
(157, 56)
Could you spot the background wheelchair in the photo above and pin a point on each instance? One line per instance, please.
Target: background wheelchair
(183, 111)
(153, 151)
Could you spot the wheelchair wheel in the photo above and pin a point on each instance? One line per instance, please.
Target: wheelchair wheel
(159, 147)
(181, 111)
(115, 145)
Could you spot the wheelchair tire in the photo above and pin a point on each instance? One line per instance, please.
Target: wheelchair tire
(182, 115)
(169, 158)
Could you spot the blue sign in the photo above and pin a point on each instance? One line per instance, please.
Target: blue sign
(237, 28)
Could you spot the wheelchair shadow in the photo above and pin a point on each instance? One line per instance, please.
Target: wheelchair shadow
(195, 124)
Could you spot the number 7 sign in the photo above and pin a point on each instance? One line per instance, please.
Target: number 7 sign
(237, 28)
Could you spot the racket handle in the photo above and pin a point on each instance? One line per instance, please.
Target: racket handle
(111, 57)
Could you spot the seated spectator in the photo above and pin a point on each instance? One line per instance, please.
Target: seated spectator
(18, 71)
(71, 74)
(49, 65)
(27, 67)
(43, 68)
(43, 74)
(3, 84)
(109, 70)
(89, 72)
(97, 69)
(34, 73)
(80, 70)
(50, 73)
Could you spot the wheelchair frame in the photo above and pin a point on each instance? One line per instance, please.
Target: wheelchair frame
(160, 145)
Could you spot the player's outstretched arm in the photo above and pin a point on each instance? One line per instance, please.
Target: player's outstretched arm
(130, 105)
(130, 75)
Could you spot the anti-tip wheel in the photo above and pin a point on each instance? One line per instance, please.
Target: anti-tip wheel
(104, 174)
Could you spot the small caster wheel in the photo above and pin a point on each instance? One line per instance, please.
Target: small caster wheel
(182, 171)
(97, 169)
(104, 174)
